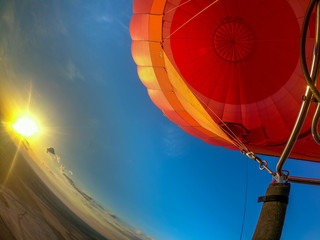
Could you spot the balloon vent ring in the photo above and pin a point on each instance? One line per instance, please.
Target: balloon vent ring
(233, 41)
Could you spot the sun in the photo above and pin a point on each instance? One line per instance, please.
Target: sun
(25, 126)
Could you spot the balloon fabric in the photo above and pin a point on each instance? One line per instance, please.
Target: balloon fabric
(227, 71)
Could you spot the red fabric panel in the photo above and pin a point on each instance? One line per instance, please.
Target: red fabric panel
(146, 27)
(147, 53)
(160, 100)
(306, 150)
(163, 78)
(194, 132)
(141, 53)
(148, 77)
(240, 59)
(263, 46)
(165, 100)
(176, 118)
(220, 142)
(139, 27)
(188, 118)
(142, 6)
(148, 6)
(158, 97)
(243, 64)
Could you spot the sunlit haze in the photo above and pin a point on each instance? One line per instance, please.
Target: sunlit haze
(25, 126)
(86, 151)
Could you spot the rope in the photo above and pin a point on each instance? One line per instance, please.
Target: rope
(191, 19)
(263, 164)
(231, 134)
(177, 7)
(245, 199)
(227, 130)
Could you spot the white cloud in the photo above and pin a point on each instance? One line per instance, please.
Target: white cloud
(173, 142)
(105, 19)
(72, 73)
(62, 168)
(8, 15)
(124, 26)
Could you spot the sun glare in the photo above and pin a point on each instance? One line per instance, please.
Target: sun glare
(25, 126)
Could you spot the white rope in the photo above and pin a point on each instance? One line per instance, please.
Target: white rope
(245, 199)
(226, 130)
(177, 7)
(230, 133)
(191, 19)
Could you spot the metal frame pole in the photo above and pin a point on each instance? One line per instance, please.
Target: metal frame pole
(309, 93)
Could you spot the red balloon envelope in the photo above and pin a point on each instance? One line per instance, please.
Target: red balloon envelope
(226, 71)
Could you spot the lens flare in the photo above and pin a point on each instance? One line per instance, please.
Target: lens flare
(25, 126)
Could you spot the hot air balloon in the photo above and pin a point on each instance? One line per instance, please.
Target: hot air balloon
(228, 72)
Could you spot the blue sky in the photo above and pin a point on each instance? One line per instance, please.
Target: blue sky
(121, 149)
